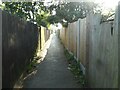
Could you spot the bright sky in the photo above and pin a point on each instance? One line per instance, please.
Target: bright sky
(54, 27)
(107, 3)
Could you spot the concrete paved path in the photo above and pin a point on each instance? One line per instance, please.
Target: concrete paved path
(53, 71)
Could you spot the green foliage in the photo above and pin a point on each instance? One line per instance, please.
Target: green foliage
(70, 12)
(74, 67)
(32, 11)
(54, 19)
(31, 66)
(42, 15)
(108, 17)
(43, 23)
(65, 24)
(21, 9)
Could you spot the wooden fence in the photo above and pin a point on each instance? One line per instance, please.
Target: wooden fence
(20, 40)
(95, 47)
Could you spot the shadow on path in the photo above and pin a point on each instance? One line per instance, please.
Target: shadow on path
(52, 72)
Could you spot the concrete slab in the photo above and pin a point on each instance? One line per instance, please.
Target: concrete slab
(53, 71)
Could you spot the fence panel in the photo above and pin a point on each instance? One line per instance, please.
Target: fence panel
(20, 40)
(97, 48)
(83, 41)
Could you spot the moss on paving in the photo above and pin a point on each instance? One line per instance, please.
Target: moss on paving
(32, 66)
(74, 67)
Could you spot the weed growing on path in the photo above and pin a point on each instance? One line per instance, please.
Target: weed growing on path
(30, 68)
(74, 67)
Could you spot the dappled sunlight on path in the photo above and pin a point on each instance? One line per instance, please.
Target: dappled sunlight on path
(43, 52)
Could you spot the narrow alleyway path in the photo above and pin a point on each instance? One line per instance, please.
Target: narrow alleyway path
(52, 72)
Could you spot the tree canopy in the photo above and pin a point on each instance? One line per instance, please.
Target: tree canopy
(31, 11)
(70, 12)
(42, 15)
